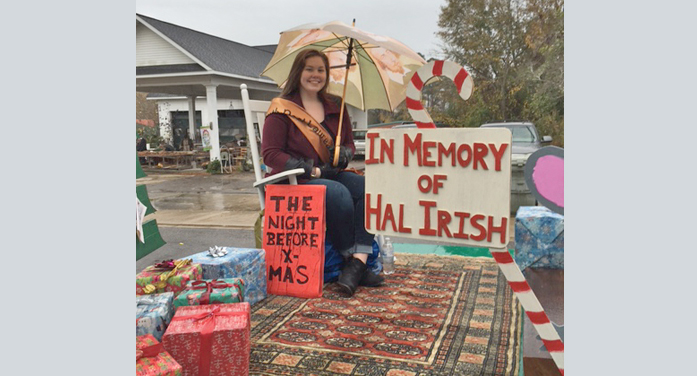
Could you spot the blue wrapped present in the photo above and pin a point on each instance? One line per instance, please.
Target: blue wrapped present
(246, 263)
(153, 314)
(539, 238)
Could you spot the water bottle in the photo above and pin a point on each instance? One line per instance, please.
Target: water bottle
(387, 254)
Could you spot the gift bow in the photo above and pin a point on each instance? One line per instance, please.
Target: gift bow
(206, 333)
(209, 286)
(166, 265)
(176, 265)
(149, 351)
(217, 251)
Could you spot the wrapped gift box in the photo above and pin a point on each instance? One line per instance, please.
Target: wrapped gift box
(539, 238)
(153, 360)
(246, 263)
(166, 280)
(153, 314)
(210, 339)
(217, 291)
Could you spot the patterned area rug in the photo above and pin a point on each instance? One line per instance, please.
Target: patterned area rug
(436, 315)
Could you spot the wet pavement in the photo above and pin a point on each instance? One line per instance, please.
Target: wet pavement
(198, 199)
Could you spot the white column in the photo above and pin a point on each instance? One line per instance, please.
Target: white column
(192, 117)
(251, 134)
(165, 117)
(212, 102)
(359, 117)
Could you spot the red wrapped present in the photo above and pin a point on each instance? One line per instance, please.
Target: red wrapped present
(153, 360)
(210, 339)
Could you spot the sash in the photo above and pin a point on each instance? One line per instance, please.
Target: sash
(310, 128)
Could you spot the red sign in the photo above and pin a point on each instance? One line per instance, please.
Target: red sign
(294, 226)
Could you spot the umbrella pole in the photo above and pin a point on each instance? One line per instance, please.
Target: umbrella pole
(341, 121)
(335, 160)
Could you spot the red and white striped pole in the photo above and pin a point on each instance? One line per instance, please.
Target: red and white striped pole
(436, 68)
(511, 270)
(532, 306)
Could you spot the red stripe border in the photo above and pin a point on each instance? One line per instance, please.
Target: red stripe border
(520, 286)
(413, 104)
(438, 68)
(538, 317)
(502, 257)
(460, 79)
(554, 346)
(424, 125)
(416, 81)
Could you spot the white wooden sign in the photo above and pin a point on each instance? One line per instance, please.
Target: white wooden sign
(451, 185)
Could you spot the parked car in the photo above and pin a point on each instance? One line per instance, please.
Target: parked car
(525, 141)
(359, 141)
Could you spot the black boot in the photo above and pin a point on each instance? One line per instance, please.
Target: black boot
(371, 279)
(351, 275)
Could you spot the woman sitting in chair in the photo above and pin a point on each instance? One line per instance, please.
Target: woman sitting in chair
(299, 132)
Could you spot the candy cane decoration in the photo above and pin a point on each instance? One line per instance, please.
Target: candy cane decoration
(509, 268)
(436, 68)
(532, 306)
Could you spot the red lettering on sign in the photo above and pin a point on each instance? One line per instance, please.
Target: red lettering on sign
(427, 230)
(412, 147)
(443, 222)
(480, 151)
(294, 240)
(386, 150)
(371, 151)
(403, 229)
(428, 145)
(464, 148)
(474, 221)
(376, 211)
(389, 216)
(460, 234)
(500, 229)
(444, 152)
(498, 154)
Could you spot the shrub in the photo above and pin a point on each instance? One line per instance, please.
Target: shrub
(213, 167)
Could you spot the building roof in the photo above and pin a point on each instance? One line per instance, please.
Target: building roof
(219, 54)
(268, 48)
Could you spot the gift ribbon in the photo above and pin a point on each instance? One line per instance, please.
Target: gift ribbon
(206, 334)
(149, 351)
(177, 265)
(209, 286)
(165, 265)
(146, 301)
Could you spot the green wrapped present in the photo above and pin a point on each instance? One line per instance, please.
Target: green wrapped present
(216, 291)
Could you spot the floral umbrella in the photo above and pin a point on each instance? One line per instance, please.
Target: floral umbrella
(379, 68)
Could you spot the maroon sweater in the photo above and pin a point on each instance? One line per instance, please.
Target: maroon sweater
(282, 139)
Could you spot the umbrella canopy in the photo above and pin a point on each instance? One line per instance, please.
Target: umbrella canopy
(380, 71)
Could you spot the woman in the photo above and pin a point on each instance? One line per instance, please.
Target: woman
(299, 132)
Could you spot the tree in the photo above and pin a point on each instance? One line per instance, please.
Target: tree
(514, 50)
(145, 109)
(545, 67)
(486, 36)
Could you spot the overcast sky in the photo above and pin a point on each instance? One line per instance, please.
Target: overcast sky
(259, 22)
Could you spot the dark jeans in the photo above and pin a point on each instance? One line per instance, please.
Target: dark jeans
(345, 203)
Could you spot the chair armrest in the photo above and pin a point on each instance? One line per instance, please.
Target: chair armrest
(285, 175)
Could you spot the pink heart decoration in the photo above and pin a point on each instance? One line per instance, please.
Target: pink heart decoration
(544, 175)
